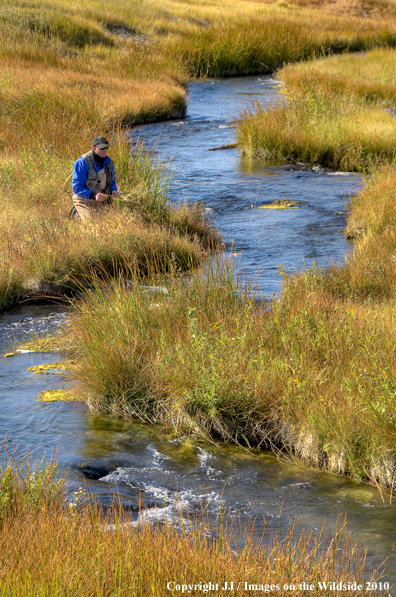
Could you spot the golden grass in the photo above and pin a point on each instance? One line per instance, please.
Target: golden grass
(361, 8)
(48, 254)
(368, 78)
(51, 553)
(54, 542)
(319, 128)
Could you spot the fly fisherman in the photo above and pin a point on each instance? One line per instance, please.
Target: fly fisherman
(93, 182)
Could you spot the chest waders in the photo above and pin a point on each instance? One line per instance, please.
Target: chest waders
(97, 182)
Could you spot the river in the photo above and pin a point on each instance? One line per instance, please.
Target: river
(142, 462)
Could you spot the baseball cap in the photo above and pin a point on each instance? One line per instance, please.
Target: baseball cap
(100, 142)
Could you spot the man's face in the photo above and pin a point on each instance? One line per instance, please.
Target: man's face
(102, 153)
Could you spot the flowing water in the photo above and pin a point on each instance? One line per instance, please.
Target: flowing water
(142, 463)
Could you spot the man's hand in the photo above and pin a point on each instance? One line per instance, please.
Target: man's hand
(115, 194)
(100, 197)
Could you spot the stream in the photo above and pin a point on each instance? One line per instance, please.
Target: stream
(143, 463)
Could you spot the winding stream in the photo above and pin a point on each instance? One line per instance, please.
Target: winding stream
(142, 462)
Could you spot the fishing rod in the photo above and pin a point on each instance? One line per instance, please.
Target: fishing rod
(174, 186)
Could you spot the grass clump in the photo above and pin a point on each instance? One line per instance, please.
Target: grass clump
(27, 488)
(53, 542)
(314, 374)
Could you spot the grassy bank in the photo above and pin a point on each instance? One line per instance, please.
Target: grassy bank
(45, 253)
(72, 70)
(337, 112)
(52, 544)
(319, 128)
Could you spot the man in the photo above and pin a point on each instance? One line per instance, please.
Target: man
(93, 180)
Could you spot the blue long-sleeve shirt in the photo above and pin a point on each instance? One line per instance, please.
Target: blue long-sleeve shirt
(80, 174)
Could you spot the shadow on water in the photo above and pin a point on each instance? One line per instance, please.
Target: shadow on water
(144, 464)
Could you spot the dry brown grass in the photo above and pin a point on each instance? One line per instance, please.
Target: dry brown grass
(48, 253)
(50, 553)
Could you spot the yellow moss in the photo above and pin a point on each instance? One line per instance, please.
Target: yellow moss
(46, 344)
(280, 204)
(62, 395)
(9, 354)
(44, 369)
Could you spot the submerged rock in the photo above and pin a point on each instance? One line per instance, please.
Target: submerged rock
(62, 395)
(93, 471)
(281, 204)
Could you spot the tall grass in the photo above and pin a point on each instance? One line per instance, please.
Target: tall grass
(59, 546)
(265, 42)
(314, 374)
